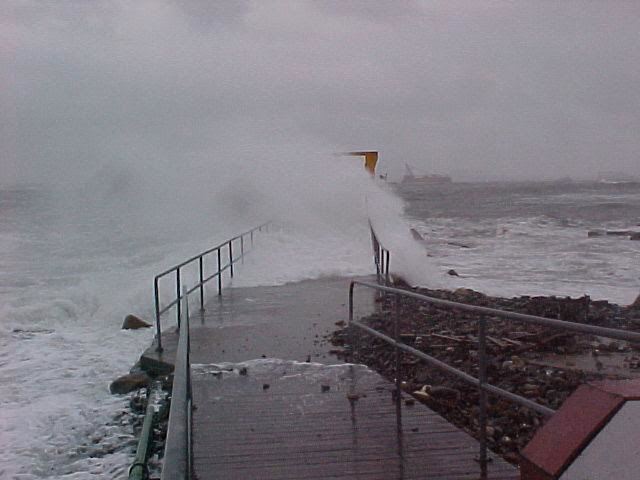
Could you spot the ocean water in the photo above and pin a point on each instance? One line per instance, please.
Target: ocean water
(531, 238)
(73, 264)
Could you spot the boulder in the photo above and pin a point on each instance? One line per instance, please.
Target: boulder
(129, 383)
(131, 322)
(635, 236)
(453, 273)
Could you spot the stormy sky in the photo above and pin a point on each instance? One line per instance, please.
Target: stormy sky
(475, 89)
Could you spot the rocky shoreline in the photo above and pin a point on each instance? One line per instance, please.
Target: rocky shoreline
(519, 356)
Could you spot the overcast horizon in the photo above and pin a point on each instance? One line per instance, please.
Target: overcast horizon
(476, 90)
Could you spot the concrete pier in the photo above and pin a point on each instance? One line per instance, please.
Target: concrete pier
(272, 402)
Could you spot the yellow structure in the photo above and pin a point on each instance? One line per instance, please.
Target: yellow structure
(370, 160)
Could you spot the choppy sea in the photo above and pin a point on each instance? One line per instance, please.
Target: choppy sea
(72, 266)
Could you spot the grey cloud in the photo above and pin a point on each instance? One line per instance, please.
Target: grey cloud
(207, 14)
(477, 89)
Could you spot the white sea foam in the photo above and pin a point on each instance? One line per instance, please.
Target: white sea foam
(534, 256)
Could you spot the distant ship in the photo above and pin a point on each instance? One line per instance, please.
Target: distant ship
(411, 178)
(615, 178)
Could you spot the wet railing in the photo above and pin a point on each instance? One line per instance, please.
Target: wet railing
(239, 242)
(178, 444)
(381, 258)
(486, 315)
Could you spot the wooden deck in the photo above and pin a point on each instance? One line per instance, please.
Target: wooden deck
(286, 418)
(317, 422)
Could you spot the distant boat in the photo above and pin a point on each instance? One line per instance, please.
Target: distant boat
(615, 178)
(411, 178)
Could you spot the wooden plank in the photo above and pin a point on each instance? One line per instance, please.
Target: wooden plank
(295, 430)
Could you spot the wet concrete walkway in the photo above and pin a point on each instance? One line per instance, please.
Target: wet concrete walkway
(287, 321)
(263, 411)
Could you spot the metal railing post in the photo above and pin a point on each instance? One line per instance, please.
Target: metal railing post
(230, 258)
(189, 416)
(156, 292)
(387, 268)
(355, 337)
(396, 336)
(482, 377)
(178, 296)
(251, 238)
(219, 274)
(201, 283)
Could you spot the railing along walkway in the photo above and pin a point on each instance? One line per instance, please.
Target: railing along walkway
(486, 315)
(286, 418)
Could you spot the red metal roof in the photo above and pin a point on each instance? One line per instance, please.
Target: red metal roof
(572, 427)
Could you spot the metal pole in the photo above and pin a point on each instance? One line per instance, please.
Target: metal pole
(139, 469)
(242, 249)
(179, 296)
(201, 284)
(354, 334)
(230, 259)
(396, 336)
(219, 275)
(189, 406)
(158, 329)
(251, 238)
(387, 271)
(482, 377)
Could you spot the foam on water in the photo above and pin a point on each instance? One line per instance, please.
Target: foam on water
(545, 252)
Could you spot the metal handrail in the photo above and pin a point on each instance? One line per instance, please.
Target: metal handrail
(481, 383)
(228, 244)
(178, 445)
(381, 257)
(139, 469)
